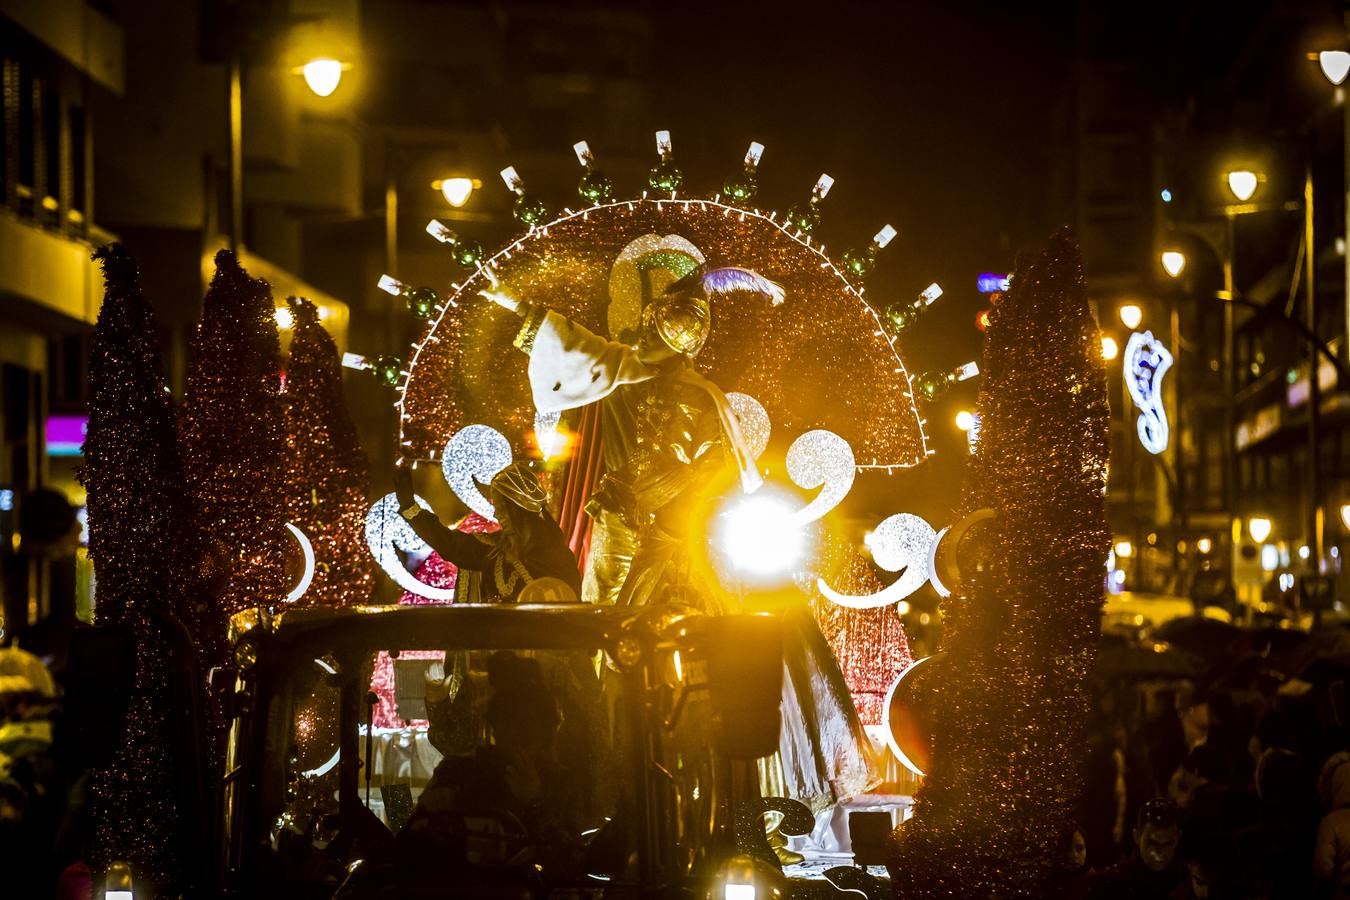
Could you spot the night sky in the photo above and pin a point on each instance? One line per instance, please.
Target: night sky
(945, 123)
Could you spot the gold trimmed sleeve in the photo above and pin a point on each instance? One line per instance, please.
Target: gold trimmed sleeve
(529, 328)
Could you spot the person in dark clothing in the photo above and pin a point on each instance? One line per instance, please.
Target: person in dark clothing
(509, 803)
(496, 567)
(1152, 869)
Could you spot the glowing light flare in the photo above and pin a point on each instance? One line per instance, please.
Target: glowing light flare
(285, 319)
(387, 532)
(1146, 362)
(307, 576)
(1110, 349)
(1270, 557)
(323, 75)
(901, 543)
(554, 441)
(758, 535)
(1335, 65)
(1131, 314)
(1173, 262)
(820, 459)
(1204, 545)
(473, 456)
(1124, 549)
(1345, 515)
(1259, 527)
(965, 419)
(1243, 182)
(457, 190)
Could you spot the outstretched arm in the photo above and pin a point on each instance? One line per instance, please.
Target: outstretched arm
(500, 297)
(464, 550)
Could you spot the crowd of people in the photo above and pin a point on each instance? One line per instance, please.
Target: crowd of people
(1233, 784)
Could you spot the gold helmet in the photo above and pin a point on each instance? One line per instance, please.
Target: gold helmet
(681, 319)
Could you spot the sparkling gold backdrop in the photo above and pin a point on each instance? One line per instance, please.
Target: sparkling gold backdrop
(820, 360)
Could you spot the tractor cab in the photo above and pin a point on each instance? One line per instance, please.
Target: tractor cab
(552, 750)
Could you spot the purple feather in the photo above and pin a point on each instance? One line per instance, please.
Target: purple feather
(731, 279)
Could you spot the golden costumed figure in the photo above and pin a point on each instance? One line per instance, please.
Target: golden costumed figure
(667, 431)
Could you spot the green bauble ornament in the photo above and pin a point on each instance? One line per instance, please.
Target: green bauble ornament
(388, 370)
(421, 301)
(595, 186)
(932, 384)
(468, 252)
(901, 315)
(804, 220)
(529, 210)
(859, 262)
(741, 187)
(665, 177)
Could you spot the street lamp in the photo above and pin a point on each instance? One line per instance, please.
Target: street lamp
(1259, 528)
(1110, 349)
(323, 74)
(1335, 65)
(1242, 182)
(1131, 315)
(1345, 515)
(1173, 262)
(456, 191)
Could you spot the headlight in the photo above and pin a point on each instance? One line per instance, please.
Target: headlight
(743, 878)
(117, 882)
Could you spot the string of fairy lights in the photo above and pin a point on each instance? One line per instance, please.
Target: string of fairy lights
(797, 225)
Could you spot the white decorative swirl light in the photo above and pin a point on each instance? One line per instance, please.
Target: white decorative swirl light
(825, 460)
(388, 532)
(1146, 362)
(901, 543)
(307, 577)
(754, 421)
(473, 456)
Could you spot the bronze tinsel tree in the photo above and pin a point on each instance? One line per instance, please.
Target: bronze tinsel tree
(137, 520)
(327, 474)
(233, 446)
(1021, 632)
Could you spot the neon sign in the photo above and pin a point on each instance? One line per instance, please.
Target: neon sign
(1146, 362)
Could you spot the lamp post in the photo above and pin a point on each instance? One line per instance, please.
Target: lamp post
(321, 75)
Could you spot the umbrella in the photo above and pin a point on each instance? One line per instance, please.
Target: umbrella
(1209, 639)
(1117, 660)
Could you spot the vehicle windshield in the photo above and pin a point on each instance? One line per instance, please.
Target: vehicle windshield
(503, 761)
